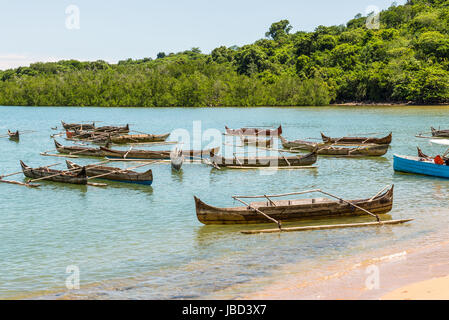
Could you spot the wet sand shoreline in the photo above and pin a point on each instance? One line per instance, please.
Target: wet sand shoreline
(413, 274)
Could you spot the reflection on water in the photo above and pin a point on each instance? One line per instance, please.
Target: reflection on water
(58, 186)
(148, 190)
(208, 234)
(133, 241)
(177, 175)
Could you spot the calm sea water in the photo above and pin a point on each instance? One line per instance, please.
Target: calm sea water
(146, 242)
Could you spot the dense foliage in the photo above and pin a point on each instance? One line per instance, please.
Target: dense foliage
(406, 59)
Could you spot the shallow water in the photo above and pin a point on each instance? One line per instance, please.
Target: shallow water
(146, 242)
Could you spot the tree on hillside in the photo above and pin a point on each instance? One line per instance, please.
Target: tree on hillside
(279, 30)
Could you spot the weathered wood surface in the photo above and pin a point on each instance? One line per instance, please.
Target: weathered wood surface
(371, 150)
(14, 135)
(358, 140)
(115, 174)
(72, 126)
(264, 162)
(270, 168)
(44, 173)
(116, 129)
(439, 133)
(153, 154)
(138, 138)
(254, 132)
(294, 210)
(78, 150)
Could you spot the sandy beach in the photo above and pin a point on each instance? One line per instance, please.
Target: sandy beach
(433, 289)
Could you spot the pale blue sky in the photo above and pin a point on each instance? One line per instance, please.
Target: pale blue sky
(113, 30)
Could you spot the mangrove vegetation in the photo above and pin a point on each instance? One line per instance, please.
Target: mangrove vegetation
(405, 59)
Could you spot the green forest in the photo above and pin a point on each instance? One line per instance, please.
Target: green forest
(405, 60)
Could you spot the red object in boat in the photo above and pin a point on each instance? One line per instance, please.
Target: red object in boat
(69, 134)
(438, 160)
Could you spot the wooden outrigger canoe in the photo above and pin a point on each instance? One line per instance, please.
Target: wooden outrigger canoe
(153, 154)
(13, 135)
(254, 141)
(138, 138)
(254, 132)
(369, 150)
(87, 135)
(115, 174)
(357, 140)
(78, 134)
(293, 210)
(263, 162)
(115, 129)
(79, 126)
(439, 133)
(54, 175)
(78, 150)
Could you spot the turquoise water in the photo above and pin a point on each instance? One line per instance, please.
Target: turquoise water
(145, 242)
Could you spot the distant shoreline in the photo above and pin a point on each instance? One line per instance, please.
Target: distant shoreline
(343, 104)
(388, 104)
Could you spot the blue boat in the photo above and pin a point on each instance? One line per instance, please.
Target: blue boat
(420, 165)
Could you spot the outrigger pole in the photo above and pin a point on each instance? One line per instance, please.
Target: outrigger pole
(280, 229)
(21, 183)
(326, 227)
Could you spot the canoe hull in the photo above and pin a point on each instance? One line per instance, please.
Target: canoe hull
(139, 138)
(420, 166)
(265, 162)
(254, 132)
(14, 135)
(358, 140)
(113, 129)
(79, 151)
(73, 126)
(144, 178)
(72, 178)
(293, 210)
(372, 150)
(156, 155)
(439, 133)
